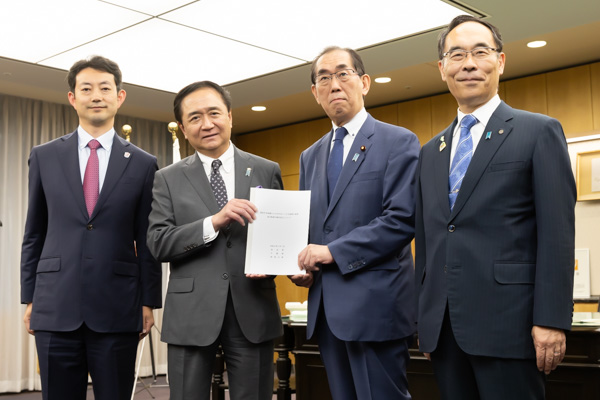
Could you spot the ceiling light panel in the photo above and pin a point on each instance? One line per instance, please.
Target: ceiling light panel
(167, 56)
(151, 7)
(302, 29)
(32, 30)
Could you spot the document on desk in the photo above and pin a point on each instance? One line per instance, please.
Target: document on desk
(279, 232)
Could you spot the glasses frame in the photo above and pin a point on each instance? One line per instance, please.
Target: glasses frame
(467, 52)
(336, 74)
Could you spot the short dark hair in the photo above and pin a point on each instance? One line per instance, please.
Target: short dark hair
(358, 66)
(98, 63)
(461, 19)
(189, 89)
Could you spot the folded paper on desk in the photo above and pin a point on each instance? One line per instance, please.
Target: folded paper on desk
(298, 311)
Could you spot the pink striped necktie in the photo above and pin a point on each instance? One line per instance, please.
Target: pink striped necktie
(91, 178)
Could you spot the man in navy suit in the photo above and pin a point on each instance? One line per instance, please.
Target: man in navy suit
(358, 264)
(494, 232)
(87, 277)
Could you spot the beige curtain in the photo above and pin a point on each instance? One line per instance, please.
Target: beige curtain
(25, 123)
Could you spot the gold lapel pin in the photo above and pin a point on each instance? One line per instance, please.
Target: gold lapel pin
(362, 148)
(501, 131)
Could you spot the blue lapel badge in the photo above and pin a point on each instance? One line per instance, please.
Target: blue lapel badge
(248, 171)
(355, 157)
(488, 135)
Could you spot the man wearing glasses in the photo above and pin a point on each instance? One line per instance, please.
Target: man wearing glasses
(494, 232)
(358, 264)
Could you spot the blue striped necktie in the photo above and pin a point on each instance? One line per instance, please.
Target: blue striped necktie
(462, 158)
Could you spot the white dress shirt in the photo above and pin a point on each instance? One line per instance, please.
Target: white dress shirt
(106, 141)
(353, 126)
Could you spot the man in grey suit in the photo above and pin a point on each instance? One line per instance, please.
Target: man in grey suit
(494, 232)
(198, 223)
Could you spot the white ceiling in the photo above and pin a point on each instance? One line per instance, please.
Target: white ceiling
(225, 41)
(217, 39)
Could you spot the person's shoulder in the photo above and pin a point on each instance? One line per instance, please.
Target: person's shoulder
(52, 144)
(523, 115)
(138, 152)
(257, 159)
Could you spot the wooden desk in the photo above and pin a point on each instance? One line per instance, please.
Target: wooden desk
(577, 378)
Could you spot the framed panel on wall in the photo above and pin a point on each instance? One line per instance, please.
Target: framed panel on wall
(588, 175)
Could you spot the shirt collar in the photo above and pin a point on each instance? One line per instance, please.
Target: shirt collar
(106, 139)
(483, 113)
(226, 158)
(354, 125)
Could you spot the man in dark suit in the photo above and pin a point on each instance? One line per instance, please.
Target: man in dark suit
(87, 277)
(494, 232)
(198, 224)
(358, 264)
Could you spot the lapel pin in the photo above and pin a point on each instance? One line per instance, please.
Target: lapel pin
(355, 157)
(248, 171)
(442, 143)
(362, 148)
(127, 154)
(488, 135)
(501, 131)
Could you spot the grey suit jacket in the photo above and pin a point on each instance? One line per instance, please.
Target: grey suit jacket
(203, 274)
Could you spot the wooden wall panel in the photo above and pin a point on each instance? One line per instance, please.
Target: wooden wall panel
(443, 112)
(387, 113)
(290, 182)
(528, 94)
(502, 91)
(595, 82)
(570, 99)
(415, 115)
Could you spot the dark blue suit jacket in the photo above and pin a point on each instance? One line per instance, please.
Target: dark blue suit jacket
(503, 259)
(79, 269)
(368, 226)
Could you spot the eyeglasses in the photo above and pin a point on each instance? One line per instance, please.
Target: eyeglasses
(342, 76)
(478, 53)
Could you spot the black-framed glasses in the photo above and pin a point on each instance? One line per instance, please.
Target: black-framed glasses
(478, 53)
(342, 76)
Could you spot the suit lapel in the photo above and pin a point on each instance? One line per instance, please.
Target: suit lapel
(499, 122)
(68, 156)
(117, 163)
(243, 174)
(320, 191)
(442, 168)
(194, 172)
(355, 158)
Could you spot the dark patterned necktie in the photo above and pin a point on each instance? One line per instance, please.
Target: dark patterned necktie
(91, 178)
(336, 159)
(218, 185)
(462, 158)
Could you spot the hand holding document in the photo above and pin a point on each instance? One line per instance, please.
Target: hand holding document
(279, 232)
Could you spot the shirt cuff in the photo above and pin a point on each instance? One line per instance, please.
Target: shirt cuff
(209, 230)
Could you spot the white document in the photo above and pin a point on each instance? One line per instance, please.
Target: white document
(279, 232)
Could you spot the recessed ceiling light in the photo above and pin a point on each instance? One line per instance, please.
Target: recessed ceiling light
(536, 43)
(383, 79)
(259, 108)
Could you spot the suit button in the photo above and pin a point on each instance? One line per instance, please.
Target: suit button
(445, 269)
(451, 228)
(90, 227)
(225, 276)
(228, 244)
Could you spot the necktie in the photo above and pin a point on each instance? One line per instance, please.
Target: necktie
(218, 185)
(462, 158)
(336, 159)
(91, 178)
